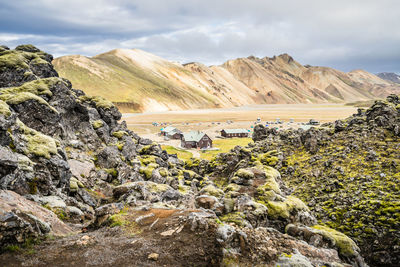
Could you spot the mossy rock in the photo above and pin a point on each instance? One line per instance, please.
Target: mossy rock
(157, 188)
(98, 101)
(75, 184)
(97, 124)
(146, 160)
(163, 172)
(27, 48)
(347, 247)
(184, 189)
(270, 158)
(271, 175)
(148, 170)
(245, 173)
(20, 97)
(211, 190)
(37, 144)
(119, 134)
(112, 172)
(283, 209)
(4, 109)
(237, 218)
(36, 87)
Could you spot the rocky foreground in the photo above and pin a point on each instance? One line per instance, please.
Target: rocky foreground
(80, 189)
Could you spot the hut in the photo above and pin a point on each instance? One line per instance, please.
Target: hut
(229, 133)
(196, 139)
(171, 132)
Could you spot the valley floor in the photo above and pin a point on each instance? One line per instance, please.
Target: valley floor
(212, 121)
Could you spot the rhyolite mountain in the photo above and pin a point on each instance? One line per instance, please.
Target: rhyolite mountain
(135, 80)
(389, 76)
(78, 188)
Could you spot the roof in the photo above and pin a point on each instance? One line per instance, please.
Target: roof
(233, 131)
(174, 131)
(193, 136)
(168, 129)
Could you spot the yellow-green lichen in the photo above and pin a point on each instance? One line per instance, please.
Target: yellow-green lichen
(97, 124)
(148, 170)
(283, 209)
(37, 143)
(163, 172)
(245, 173)
(4, 109)
(15, 59)
(146, 160)
(119, 134)
(347, 247)
(237, 218)
(157, 188)
(212, 191)
(36, 87)
(20, 97)
(99, 101)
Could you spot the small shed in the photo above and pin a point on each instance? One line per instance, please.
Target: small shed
(171, 132)
(229, 133)
(196, 139)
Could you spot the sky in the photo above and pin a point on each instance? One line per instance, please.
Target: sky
(343, 34)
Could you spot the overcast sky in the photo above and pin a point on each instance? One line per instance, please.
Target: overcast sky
(344, 34)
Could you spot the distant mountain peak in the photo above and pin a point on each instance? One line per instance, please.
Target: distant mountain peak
(389, 76)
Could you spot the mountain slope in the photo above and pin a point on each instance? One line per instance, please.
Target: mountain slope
(389, 76)
(139, 81)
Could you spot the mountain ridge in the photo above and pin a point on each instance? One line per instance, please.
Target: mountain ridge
(139, 81)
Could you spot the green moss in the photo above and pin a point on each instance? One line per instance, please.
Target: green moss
(120, 146)
(212, 191)
(60, 214)
(270, 158)
(232, 188)
(146, 160)
(12, 248)
(157, 188)
(119, 134)
(163, 172)
(279, 209)
(113, 172)
(98, 101)
(13, 59)
(146, 149)
(97, 124)
(184, 189)
(75, 184)
(148, 170)
(270, 184)
(346, 246)
(37, 143)
(20, 97)
(191, 174)
(36, 87)
(244, 173)
(237, 218)
(4, 109)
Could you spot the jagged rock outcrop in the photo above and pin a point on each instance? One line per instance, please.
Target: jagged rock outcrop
(347, 172)
(65, 154)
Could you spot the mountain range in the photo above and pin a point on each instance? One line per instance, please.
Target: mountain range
(137, 81)
(389, 76)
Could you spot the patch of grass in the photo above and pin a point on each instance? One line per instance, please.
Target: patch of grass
(225, 145)
(182, 154)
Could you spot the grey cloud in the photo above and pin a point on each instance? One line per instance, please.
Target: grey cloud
(342, 34)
